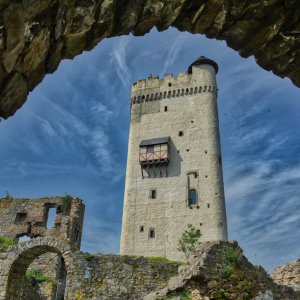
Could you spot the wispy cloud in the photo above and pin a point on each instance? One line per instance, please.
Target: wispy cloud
(119, 62)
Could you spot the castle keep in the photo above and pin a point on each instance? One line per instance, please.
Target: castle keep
(174, 169)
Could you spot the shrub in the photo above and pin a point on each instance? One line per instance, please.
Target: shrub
(226, 271)
(8, 196)
(38, 276)
(189, 240)
(5, 243)
(230, 259)
(232, 256)
(66, 203)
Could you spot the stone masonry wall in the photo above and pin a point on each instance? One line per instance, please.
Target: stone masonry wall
(116, 277)
(36, 35)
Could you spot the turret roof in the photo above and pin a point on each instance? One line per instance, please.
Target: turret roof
(203, 60)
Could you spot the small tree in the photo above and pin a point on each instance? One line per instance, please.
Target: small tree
(189, 241)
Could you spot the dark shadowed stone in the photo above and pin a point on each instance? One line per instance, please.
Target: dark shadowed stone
(36, 35)
(13, 94)
(14, 24)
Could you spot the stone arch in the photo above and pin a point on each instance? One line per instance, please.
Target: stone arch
(19, 258)
(34, 38)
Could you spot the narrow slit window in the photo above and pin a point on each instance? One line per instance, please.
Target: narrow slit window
(166, 108)
(180, 133)
(152, 194)
(141, 228)
(151, 233)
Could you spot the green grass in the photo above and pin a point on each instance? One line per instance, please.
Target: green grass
(38, 276)
(184, 295)
(232, 256)
(5, 243)
(164, 259)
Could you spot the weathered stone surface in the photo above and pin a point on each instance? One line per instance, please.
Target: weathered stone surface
(13, 93)
(60, 29)
(204, 273)
(288, 274)
(29, 217)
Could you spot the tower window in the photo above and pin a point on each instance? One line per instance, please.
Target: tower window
(180, 133)
(170, 84)
(152, 194)
(166, 108)
(193, 197)
(150, 149)
(208, 206)
(151, 233)
(141, 228)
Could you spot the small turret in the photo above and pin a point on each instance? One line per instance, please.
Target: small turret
(202, 60)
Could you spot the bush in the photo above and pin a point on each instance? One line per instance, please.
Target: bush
(66, 203)
(230, 259)
(5, 243)
(232, 256)
(189, 241)
(38, 276)
(8, 196)
(226, 271)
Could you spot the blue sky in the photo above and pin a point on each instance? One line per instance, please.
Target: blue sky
(71, 137)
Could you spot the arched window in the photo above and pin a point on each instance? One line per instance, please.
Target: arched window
(193, 197)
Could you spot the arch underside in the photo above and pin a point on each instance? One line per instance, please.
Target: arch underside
(20, 257)
(36, 35)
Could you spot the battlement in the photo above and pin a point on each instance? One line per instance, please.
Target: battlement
(199, 79)
(172, 93)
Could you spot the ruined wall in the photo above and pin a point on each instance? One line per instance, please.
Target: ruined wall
(36, 35)
(183, 108)
(206, 275)
(19, 217)
(288, 274)
(116, 277)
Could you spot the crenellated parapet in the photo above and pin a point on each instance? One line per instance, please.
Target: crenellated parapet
(170, 86)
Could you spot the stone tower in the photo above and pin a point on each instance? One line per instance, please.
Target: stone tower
(174, 168)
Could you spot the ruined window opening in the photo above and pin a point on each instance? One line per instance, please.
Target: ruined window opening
(151, 233)
(77, 234)
(51, 214)
(166, 108)
(193, 197)
(152, 194)
(141, 228)
(180, 133)
(20, 218)
(24, 238)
